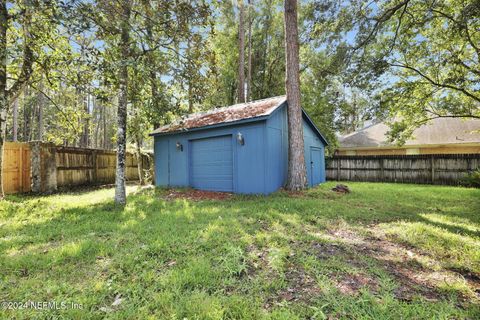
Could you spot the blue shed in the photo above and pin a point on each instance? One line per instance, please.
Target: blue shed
(241, 148)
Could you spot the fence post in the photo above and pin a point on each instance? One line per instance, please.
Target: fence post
(382, 172)
(338, 169)
(432, 165)
(94, 165)
(20, 169)
(36, 164)
(43, 167)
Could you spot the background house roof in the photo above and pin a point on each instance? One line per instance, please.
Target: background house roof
(233, 113)
(438, 131)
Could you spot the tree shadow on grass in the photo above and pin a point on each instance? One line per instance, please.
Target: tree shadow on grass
(183, 246)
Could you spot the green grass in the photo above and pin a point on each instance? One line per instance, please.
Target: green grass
(385, 251)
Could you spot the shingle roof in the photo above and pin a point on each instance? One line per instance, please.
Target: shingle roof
(233, 113)
(438, 131)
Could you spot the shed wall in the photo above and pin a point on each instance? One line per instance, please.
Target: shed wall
(259, 166)
(277, 151)
(172, 165)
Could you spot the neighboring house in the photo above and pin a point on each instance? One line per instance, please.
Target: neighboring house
(440, 136)
(241, 148)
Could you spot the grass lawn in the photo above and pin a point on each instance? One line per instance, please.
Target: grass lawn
(384, 251)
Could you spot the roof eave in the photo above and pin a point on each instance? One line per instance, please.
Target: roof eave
(312, 124)
(212, 126)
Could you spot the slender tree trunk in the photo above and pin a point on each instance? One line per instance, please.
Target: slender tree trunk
(153, 75)
(266, 51)
(190, 99)
(98, 115)
(297, 177)
(104, 125)
(15, 121)
(40, 120)
(140, 161)
(189, 80)
(249, 65)
(31, 121)
(3, 80)
(25, 114)
(84, 121)
(120, 193)
(241, 53)
(154, 92)
(40, 104)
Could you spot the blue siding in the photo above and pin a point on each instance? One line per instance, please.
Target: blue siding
(161, 152)
(312, 141)
(277, 150)
(278, 121)
(172, 166)
(178, 164)
(251, 161)
(258, 166)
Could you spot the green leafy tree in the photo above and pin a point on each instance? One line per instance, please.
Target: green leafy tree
(27, 35)
(423, 56)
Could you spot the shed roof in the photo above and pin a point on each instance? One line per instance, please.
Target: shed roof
(242, 111)
(438, 132)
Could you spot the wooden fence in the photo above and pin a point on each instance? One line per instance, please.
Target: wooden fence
(16, 167)
(78, 166)
(42, 167)
(428, 169)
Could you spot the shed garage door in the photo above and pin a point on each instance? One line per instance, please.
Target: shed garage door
(211, 164)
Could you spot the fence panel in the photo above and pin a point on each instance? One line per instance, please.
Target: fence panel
(16, 167)
(42, 167)
(80, 166)
(432, 169)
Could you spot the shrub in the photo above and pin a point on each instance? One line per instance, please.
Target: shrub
(472, 179)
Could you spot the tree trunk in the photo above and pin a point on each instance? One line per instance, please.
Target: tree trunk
(249, 65)
(97, 113)
(15, 121)
(266, 52)
(40, 104)
(3, 79)
(140, 160)
(151, 60)
(241, 54)
(86, 124)
(25, 114)
(104, 125)
(297, 177)
(189, 79)
(120, 193)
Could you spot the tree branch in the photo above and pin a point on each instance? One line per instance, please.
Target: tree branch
(380, 20)
(436, 83)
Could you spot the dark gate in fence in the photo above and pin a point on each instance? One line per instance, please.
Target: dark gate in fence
(429, 169)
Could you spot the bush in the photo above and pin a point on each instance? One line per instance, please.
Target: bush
(472, 179)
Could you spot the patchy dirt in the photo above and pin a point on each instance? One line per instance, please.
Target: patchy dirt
(328, 250)
(350, 284)
(416, 272)
(196, 195)
(301, 288)
(295, 194)
(258, 260)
